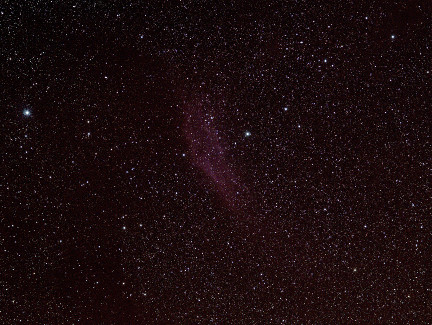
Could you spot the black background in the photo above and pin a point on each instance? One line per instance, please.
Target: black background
(107, 217)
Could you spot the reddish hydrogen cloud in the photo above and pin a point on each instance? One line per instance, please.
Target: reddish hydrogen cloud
(207, 152)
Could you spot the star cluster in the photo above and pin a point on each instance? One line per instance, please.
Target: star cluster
(199, 162)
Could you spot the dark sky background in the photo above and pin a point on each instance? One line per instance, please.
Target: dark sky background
(215, 162)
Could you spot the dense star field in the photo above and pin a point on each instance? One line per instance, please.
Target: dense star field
(212, 162)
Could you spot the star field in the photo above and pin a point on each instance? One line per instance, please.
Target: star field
(199, 162)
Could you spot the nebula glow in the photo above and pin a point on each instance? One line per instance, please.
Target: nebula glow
(208, 154)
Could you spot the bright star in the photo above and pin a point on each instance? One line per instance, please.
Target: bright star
(247, 134)
(27, 112)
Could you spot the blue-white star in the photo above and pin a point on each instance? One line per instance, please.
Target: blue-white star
(26, 112)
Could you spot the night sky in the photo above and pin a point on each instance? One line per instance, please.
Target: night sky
(215, 162)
